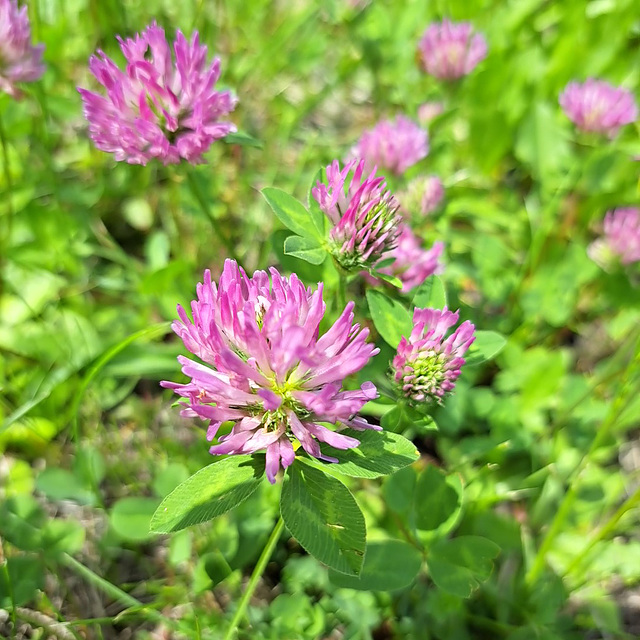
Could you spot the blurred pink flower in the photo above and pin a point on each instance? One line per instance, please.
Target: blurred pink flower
(427, 364)
(20, 61)
(427, 111)
(392, 145)
(450, 50)
(424, 195)
(267, 368)
(159, 107)
(363, 212)
(598, 106)
(412, 264)
(621, 238)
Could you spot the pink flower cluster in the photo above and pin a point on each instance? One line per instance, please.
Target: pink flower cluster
(393, 145)
(20, 61)
(412, 264)
(267, 368)
(158, 107)
(450, 50)
(363, 212)
(428, 364)
(621, 238)
(598, 106)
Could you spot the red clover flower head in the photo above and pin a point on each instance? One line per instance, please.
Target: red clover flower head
(412, 263)
(363, 212)
(598, 106)
(423, 195)
(392, 145)
(428, 364)
(428, 111)
(267, 368)
(621, 238)
(450, 50)
(161, 106)
(20, 61)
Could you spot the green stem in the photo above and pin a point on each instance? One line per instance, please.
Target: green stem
(342, 290)
(609, 527)
(115, 592)
(215, 224)
(255, 577)
(567, 503)
(5, 234)
(540, 235)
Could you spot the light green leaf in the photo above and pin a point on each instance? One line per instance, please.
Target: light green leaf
(437, 499)
(430, 294)
(323, 516)
(209, 493)
(461, 565)
(63, 536)
(26, 576)
(317, 215)
(308, 249)
(243, 139)
(390, 317)
(168, 478)
(388, 565)
(60, 484)
(486, 346)
(291, 213)
(380, 453)
(130, 517)
(385, 277)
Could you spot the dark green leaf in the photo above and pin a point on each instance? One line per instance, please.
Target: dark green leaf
(438, 499)
(209, 493)
(390, 317)
(323, 516)
(26, 574)
(430, 294)
(388, 565)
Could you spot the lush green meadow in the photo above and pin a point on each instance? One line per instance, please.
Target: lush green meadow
(517, 517)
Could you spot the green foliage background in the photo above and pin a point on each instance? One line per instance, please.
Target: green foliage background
(100, 253)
